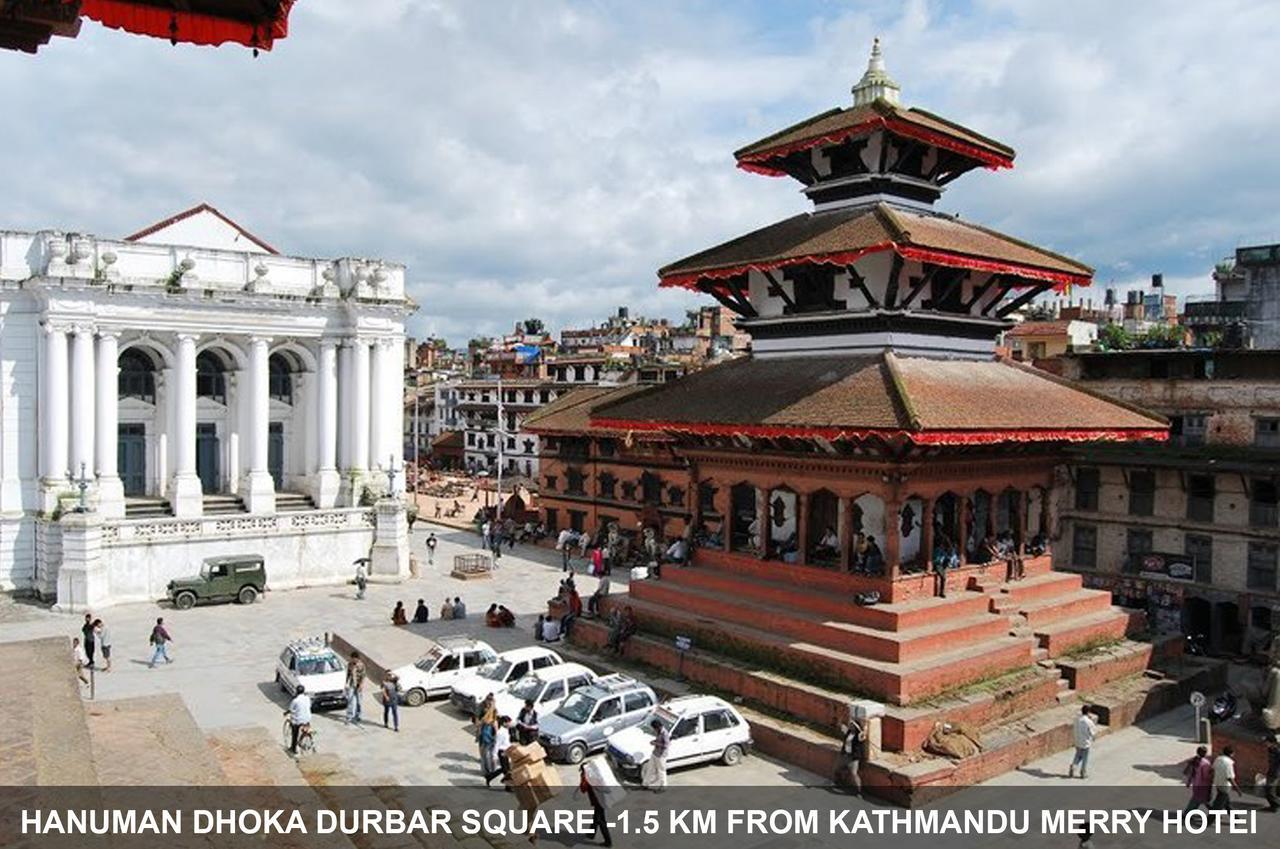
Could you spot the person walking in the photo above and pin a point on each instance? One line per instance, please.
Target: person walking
(102, 638)
(86, 637)
(1224, 780)
(1198, 776)
(486, 734)
(299, 714)
(1086, 729)
(160, 640)
(432, 542)
(595, 797)
(501, 743)
(391, 700)
(81, 660)
(854, 751)
(564, 542)
(527, 723)
(655, 771)
(1273, 772)
(355, 688)
(362, 581)
(486, 537)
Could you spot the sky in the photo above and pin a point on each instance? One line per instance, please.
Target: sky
(545, 158)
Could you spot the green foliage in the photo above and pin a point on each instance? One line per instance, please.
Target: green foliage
(1164, 336)
(1113, 337)
(533, 326)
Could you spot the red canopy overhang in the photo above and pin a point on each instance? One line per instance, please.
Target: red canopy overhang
(758, 163)
(209, 23)
(1028, 273)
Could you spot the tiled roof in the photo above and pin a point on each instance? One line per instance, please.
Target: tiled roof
(925, 399)
(840, 236)
(571, 412)
(1039, 328)
(835, 125)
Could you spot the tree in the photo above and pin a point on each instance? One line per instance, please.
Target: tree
(1113, 337)
(1164, 336)
(534, 326)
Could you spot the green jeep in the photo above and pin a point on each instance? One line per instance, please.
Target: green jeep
(221, 579)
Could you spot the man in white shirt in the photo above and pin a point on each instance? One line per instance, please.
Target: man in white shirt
(677, 551)
(1224, 780)
(501, 742)
(1085, 730)
(299, 716)
(551, 630)
(564, 544)
(654, 775)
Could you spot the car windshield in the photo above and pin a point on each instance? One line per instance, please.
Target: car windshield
(204, 571)
(495, 670)
(577, 708)
(528, 687)
(428, 661)
(319, 664)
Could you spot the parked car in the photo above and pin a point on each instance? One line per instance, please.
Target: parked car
(591, 714)
(496, 676)
(316, 666)
(448, 661)
(702, 729)
(240, 579)
(547, 688)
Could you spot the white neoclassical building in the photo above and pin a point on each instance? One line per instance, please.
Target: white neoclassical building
(209, 395)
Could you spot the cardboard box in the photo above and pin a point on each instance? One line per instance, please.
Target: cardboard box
(527, 772)
(524, 754)
(547, 777)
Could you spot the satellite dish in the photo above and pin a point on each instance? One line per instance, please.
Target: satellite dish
(1197, 699)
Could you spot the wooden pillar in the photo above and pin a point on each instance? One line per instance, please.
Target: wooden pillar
(802, 527)
(926, 531)
(762, 520)
(844, 529)
(893, 538)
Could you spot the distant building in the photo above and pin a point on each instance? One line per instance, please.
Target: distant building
(1245, 309)
(1038, 340)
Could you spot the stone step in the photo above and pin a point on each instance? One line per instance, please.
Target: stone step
(1069, 635)
(1044, 610)
(293, 502)
(176, 750)
(44, 736)
(898, 683)
(947, 632)
(816, 601)
(1040, 586)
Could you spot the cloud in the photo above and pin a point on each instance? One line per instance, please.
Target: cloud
(546, 158)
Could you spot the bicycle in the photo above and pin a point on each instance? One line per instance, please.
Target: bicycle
(306, 737)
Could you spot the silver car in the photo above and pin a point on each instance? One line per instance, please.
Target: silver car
(584, 722)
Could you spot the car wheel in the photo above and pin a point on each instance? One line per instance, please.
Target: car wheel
(416, 697)
(732, 755)
(576, 754)
(185, 601)
(248, 595)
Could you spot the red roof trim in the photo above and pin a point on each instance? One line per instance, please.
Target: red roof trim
(758, 162)
(928, 437)
(1059, 279)
(188, 27)
(195, 210)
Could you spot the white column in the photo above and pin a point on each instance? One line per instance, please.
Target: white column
(378, 412)
(325, 486)
(395, 414)
(258, 490)
(360, 404)
(185, 495)
(54, 397)
(344, 404)
(110, 489)
(84, 401)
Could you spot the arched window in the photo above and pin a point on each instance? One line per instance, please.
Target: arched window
(137, 377)
(280, 379)
(211, 378)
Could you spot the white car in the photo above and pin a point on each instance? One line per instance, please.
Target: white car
(449, 661)
(318, 668)
(497, 676)
(547, 688)
(702, 728)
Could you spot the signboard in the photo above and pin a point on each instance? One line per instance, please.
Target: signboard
(1154, 564)
(684, 644)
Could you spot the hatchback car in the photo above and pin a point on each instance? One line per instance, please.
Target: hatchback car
(495, 677)
(318, 668)
(448, 661)
(546, 688)
(701, 728)
(591, 714)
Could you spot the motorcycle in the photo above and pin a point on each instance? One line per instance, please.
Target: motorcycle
(1223, 707)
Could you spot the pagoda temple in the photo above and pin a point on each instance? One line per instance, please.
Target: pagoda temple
(872, 429)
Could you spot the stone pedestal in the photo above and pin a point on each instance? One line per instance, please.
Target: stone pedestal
(258, 490)
(82, 582)
(111, 497)
(871, 716)
(186, 496)
(326, 488)
(390, 555)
